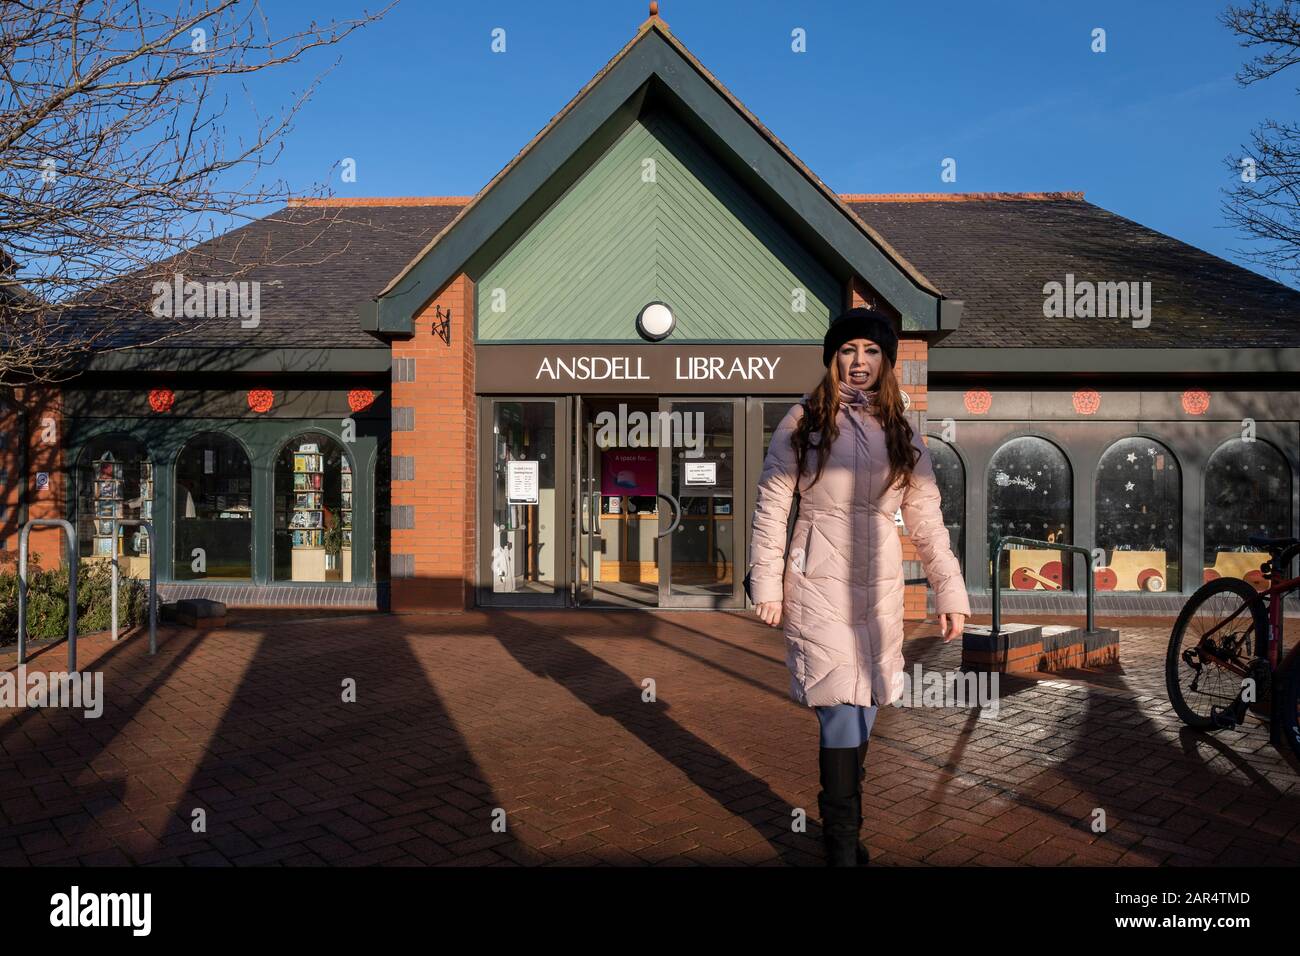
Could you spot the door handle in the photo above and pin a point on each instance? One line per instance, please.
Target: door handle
(677, 514)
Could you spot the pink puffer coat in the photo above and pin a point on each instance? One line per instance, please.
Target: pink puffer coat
(842, 584)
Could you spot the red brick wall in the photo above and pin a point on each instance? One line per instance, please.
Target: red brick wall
(41, 437)
(442, 495)
(13, 436)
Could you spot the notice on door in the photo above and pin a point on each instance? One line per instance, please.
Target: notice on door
(521, 482)
(700, 472)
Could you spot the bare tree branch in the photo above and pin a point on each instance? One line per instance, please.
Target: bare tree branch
(1264, 202)
(114, 149)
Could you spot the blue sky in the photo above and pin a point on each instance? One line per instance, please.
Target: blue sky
(884, 93)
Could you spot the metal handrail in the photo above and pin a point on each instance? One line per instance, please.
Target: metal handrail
(70, 539)
(153, 577)
(995, 553)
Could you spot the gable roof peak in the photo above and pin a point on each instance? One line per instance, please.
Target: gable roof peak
(839, 234)
(654, 19)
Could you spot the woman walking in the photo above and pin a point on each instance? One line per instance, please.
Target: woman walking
(849, 453)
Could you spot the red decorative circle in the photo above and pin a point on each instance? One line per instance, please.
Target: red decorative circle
(978, 401)
(161, 399)
(261, 399)
(1196, 401)
(360, 398)
(1087, 401)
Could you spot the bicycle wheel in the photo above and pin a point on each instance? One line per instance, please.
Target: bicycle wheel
(1195, 676)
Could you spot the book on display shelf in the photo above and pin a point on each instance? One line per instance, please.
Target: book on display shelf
(308, 480)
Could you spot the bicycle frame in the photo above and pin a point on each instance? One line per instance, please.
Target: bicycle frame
(1273, 595)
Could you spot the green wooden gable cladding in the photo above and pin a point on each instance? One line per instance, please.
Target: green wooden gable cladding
(656, 218)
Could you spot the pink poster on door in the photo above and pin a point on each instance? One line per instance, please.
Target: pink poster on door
(625, 472)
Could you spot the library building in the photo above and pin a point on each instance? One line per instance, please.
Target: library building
(559, 392)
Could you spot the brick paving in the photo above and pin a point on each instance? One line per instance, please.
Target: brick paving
(539, 716)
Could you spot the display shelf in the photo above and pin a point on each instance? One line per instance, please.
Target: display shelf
(305, 515)
(110, 499)
(345, 509)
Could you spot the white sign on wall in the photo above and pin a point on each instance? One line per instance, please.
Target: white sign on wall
(521, 482)
(700, 472)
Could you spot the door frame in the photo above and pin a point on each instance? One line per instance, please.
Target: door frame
(583, 540)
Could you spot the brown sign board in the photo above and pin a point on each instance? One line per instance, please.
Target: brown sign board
(649, 369)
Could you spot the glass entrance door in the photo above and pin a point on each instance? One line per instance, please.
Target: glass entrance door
(523, 492)
(700, 475)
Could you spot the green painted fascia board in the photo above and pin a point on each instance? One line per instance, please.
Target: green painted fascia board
(215, 360)
(652, 56)
(368, 312)
(671, 342)
(950, 314)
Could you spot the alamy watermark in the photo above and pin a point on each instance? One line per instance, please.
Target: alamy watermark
(133, 911)
(637, 429)
(1101, 300)
(933, 688)
(210, 299)
(81, 690)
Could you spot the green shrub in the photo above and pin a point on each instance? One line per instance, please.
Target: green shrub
(47, 602)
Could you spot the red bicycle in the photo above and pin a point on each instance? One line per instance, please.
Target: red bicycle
(1225, 652)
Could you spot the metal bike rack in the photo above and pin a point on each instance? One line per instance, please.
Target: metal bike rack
(153, 576)
(995, 553)
(70, 539)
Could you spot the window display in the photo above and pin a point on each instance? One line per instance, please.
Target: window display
(114, 480)
(313, 511)
(1247, 491)
(1139, 517)
(1029, 495)
(950, 476)
(213, 509)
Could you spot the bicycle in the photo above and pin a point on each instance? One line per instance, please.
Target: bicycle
(1227, 646)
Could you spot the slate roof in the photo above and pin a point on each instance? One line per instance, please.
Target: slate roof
(319, 262)
(997, 254)
(315, 265)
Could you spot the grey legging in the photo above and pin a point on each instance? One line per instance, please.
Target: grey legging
(845, 725)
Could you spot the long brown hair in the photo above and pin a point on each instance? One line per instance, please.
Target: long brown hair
(819, 416)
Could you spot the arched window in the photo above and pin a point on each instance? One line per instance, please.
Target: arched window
(1247, 491)
(950, 475)
(313, 510)
(1029, 494)
(214, 510)
(1139, 517)
(114, 480)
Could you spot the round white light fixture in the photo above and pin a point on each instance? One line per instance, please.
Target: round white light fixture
(655, 322)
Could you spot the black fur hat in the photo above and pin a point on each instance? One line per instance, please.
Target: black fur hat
(861, 324)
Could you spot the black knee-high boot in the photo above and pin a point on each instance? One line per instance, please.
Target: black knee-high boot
(864, 856)
(840, 804)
